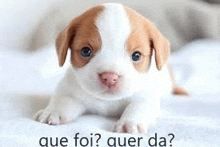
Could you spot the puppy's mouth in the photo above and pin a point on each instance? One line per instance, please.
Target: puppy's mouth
(111, 93)
(111, 89)
(106, 86)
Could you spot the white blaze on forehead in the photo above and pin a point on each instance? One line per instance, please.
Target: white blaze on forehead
(114, 28)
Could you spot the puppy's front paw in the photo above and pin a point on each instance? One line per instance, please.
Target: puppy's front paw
(49, 116)
(130, 127)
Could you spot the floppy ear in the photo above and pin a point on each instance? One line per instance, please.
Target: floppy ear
(63, 42)
(160, 45)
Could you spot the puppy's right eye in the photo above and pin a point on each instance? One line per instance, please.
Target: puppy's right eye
(86, 52)
(136, 56)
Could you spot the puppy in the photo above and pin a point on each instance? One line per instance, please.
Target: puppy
(118, 68)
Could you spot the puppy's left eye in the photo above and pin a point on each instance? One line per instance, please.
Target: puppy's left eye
(136, 56)
(86, 52)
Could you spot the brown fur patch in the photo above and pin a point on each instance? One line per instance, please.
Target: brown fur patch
(145, 37)
(176, 89)
(180, 91)
(138, 40)
(80, 32)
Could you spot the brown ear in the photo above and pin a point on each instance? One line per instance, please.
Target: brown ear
(160, 45)
(63, 43)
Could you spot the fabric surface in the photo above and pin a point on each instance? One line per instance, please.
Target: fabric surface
(28, 80)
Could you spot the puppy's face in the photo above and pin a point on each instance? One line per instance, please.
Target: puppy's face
(111, 48)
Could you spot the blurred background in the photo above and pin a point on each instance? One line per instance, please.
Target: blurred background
(30, 25)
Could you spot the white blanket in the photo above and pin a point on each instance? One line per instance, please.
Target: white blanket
(28, 79)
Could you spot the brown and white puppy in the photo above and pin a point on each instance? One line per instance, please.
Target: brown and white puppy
(118, 60)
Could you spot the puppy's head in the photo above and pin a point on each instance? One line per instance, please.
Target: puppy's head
(111, 48)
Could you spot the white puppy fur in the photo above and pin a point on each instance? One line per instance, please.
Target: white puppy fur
(137, 101)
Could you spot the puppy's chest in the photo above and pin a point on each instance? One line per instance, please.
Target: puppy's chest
(107, 108)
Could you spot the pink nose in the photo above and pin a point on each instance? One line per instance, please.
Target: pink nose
(109, 78)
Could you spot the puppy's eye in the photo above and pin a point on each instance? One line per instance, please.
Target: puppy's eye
(136, 56)
(86, 52)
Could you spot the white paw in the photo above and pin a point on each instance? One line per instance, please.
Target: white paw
(130, 127)
(51, 117)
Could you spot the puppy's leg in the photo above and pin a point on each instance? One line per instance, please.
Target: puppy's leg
(138, 116)
(60, 110)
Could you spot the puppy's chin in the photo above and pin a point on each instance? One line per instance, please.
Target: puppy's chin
(112, 95)
(105, 93)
